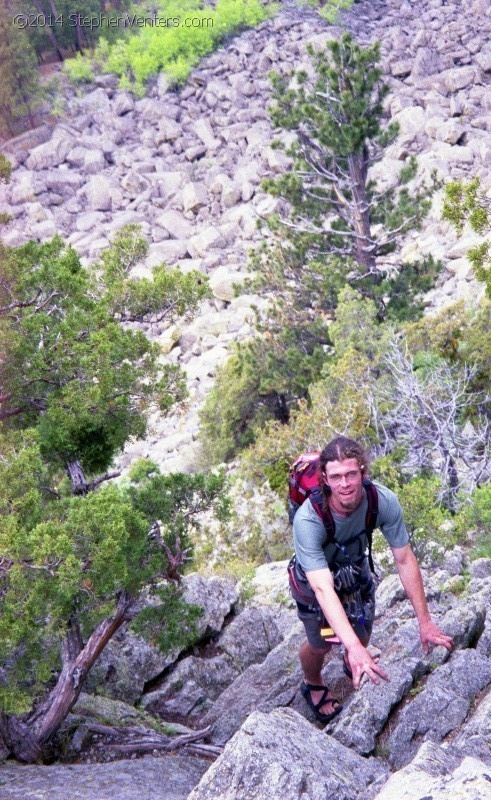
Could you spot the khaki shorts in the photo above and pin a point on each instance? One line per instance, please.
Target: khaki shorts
(313, 626)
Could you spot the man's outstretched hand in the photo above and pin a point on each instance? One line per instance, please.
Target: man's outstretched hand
(430, 633)
(361, 662)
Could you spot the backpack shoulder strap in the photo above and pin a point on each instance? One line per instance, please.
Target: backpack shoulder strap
(371, 517)
(317, 500)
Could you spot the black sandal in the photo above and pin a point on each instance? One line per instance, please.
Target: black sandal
(307, 688)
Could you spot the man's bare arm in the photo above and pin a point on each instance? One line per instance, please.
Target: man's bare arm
(359, 658)
(410, 575)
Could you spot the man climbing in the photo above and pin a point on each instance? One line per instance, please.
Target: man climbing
(330, 575)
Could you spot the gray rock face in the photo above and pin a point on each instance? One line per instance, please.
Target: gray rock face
(128, 662)
(123, 103)
(426, 62)
(168, 777)
(251, 636)
(51, 153)
(125, 665)
(481, 568)
(195, 683)
(270, 583)
(474, 736)
(362, 720)
(99, 192)
(216, 596)
(263, 686)
(389, 591)
(441, 706)
(191, 688)
(438, 774)
(281, 755)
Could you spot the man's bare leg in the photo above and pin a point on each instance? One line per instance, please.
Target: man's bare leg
(312, 661)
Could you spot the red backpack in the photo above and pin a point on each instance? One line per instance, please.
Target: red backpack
(303, 483)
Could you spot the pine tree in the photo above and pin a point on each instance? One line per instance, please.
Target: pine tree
(76, 550)
(20, 91)
(337, 225)
(334, 227)
(68, 366)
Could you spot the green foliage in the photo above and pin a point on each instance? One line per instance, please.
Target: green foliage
(168, 295)
(330, 10)
(178, 499)
(177, 36)
(482, 548)
(246, 585)
(258, 530)
(227, 411)
(78, 69)
(337, 116)
(428, 525)
(57, 551)
(465, 203)
(421, 411)
(386, 470)
(462, 337)
(60, 28)
(406, 289)
(262, 380)
(75, 387)
(416, 689)
(277, 476)
(55, 562)
(171, 623)
(356, 326)
(441, 332)
(73, 371)
(67, 364)
(5, 169)
(340, 401)
(474, 522)
(267, 377)
(459, 584)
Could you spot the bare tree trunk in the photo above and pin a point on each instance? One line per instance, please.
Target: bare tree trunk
(281, 409)
(453, 479)
(77, 477)
(364, 252)
(17, 739)
(28, 739)
(48, 717)
(52, 5)
(78, 33)
(48, 29)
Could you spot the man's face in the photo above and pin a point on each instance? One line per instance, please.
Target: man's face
(344, 478)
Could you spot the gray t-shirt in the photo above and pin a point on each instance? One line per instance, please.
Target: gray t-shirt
(309, 533)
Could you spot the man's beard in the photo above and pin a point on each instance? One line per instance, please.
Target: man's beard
(350, 503)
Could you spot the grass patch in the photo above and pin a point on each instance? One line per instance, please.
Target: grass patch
(482, 548)
(331, 9)
(172, 40)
